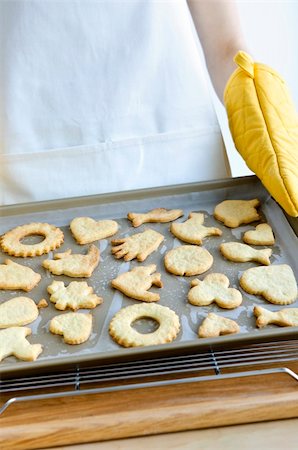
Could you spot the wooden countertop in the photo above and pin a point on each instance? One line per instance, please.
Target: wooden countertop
(107, 416)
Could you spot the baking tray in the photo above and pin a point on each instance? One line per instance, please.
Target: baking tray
(200, 197)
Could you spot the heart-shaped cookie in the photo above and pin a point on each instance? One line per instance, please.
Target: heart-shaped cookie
(74, 327)
(276, 283)
(86, 230)
(262, 235)
(17, 311)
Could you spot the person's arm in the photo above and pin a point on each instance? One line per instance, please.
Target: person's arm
(218, 27)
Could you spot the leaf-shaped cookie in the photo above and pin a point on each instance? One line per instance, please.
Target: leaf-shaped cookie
(86, 230)
(193, 230)
(75, 296)
(136, 282)
(138, 246)
(73, 265)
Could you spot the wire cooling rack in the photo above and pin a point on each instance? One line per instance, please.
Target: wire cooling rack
(212, 364)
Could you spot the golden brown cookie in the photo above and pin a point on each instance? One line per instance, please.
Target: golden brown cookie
(214, 326)
(75, 296)
(233, 213)
(15, 276)
(86, 230)
(11, 241)
(192, 230)
(214, 289)
(124, 334)
(276, 283)
(13, 342)
(136, 282)
(188, 260)
(237, 252)
(73, 265)
(42, 304)
(155, 215)
(74, 327)
(262, 235)
(138, 246)
(17, 311)
(287, 317)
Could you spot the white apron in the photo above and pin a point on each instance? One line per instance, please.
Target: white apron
(102, 96)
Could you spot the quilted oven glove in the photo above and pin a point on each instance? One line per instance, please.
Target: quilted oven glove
(264, 126)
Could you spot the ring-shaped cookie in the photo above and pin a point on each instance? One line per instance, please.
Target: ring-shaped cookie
(124, 334)
(10, 241)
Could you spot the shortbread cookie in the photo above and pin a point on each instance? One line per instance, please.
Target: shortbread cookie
(188, 260)
(237, 252)
(17, 311)
(262, 235)
(138, 246)
(14, 276)
(11, 241)
(276, 283)
(73, 265)
(214, 326)
(42, 304)
(236, 212)
(155, 215)
(86, 230)
(75, 296)
(214, 289)
(124, 334)
(13, 342)
(193, 230)
(136, 282)
(74, 327)
(285, 317)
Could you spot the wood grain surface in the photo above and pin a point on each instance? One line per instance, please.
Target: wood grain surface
(91, 418)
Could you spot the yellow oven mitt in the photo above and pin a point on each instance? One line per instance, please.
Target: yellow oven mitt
(264, 126)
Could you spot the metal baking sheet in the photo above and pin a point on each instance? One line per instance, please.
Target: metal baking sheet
(200, 197)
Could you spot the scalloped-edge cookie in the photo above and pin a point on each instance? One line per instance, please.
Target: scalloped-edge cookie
(123, 333)
(74, 327)
(233, 213)
(77, 295)
(11, 243)
(261, 235)
(136, 282)
(214, 289)
(86, 230)
(237, 252)
(13, 342)
(214, 326)
(17, 311)
(276, 283)
(192, 230)
(287, 317)
(188, 260)
(15, 276)
(80, 266)
(161, 215)
(139, 245)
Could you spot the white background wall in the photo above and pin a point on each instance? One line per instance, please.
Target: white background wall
(271, 31)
